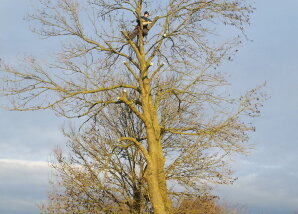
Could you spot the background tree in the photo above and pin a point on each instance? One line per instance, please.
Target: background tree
(168, 81)
(100, 175)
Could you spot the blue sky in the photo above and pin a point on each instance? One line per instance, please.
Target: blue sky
(268, 178)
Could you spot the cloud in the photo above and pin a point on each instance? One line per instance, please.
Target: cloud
(23, 185)
(29, 135)
(261, 187)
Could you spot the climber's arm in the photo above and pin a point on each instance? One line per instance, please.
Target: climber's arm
(147, 22)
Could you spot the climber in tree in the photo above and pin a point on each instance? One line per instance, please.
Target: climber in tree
(145, 21)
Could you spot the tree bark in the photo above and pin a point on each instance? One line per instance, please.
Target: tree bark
(156, 178)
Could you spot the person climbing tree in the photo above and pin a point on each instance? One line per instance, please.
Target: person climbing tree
(145, 21)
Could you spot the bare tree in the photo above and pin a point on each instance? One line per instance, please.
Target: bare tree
(168, 81)
(101, 175)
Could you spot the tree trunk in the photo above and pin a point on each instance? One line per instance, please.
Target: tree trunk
(156, 178)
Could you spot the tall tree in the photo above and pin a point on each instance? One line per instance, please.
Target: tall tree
(168, 81)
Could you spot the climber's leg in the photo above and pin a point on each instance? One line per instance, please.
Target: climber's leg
(145, 32)
(134, 33)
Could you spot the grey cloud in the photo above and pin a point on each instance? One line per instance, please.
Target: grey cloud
(29, 135)
(270, 188)
(23, 186)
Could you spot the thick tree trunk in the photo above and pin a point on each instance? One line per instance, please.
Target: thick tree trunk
(154, 191)
(155, 176)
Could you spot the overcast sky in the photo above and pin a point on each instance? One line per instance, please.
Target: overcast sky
(268, 178)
